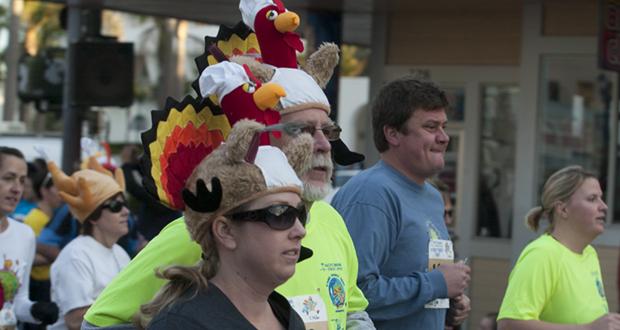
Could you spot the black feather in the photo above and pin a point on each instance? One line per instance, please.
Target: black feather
(204, 200)
(342, 154)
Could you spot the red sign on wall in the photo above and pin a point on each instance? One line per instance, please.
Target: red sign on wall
(609, 35)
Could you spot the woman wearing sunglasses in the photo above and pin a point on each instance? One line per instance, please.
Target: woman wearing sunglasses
(243, 207)
(89, 262)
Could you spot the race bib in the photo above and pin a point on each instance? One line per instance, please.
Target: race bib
(439, 252)
(312, 310)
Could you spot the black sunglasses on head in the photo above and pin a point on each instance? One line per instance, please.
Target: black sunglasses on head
(114, 205)
(278, 217)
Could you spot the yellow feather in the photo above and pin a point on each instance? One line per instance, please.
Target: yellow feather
(181, 119)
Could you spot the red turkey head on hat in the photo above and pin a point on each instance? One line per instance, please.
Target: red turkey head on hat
(241, 95)
(275, 25)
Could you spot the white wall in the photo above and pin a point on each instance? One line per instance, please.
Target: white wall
(51, 145)
(353, 94)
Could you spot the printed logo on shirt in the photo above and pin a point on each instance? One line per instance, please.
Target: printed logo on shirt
(310, 307)
(599, 287)
(337, 291)
(9, 283)
(331, 266)
(338, 324)
(312, 310)
(599, 284)
(9, 279)
(433, 233)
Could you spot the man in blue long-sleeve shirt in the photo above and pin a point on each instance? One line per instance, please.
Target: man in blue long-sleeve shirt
(395, 218)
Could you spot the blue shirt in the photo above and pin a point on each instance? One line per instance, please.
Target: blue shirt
(60, 230)
(391, 220)
(63, 228)
(23, 208)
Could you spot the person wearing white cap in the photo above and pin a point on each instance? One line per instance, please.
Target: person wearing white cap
(246, 214)
(329, 296)
(324, 291)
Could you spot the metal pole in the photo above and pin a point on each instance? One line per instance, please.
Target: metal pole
(71, 113)
(83, 20)
(12, 57)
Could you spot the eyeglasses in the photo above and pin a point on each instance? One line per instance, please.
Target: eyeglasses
(114, 205)
(447, 213)
(277, 217)
(331, 132)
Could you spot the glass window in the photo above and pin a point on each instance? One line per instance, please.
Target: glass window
(573, 126)
(497, 160)
(456, 99)
(447, 180)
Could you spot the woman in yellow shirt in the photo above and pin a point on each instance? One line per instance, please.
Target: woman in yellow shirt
(48, 200)
(556, 282)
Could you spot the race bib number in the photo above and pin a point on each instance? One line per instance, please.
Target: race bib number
(439, 252)
(312, 310)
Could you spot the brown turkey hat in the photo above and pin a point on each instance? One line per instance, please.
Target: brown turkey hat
(85, 190)
(239, 171)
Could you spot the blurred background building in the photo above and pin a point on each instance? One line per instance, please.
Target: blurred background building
(528, 95)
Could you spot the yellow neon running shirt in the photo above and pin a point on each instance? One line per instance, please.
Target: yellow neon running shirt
(331, 273)
(551, 283)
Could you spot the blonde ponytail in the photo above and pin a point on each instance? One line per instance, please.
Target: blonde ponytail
(182, 280)
(532, 219)
(559, 187)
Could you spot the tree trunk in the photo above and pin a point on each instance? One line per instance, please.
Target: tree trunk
(172, 75)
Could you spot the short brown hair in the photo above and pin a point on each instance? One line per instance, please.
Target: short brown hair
(397, 101)
(10, 151)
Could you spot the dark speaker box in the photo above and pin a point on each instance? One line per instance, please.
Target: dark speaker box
(103, 73)
(41, 77)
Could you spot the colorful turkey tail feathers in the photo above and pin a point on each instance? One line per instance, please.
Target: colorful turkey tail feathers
(238, 40)
(181, 136)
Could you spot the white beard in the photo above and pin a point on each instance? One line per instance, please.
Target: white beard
(314, 193)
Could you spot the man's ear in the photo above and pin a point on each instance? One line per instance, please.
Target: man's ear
(224, 233)
(392, 135)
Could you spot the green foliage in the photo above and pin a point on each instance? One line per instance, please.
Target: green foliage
(354, 60)
(41, 20)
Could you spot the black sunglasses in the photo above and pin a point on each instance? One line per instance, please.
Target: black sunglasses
(114, 205)
(277, 217)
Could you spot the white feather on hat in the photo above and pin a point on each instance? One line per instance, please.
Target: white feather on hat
(221, 79)
(249, 9)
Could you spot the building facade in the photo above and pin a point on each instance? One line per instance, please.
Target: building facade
(527, 98)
